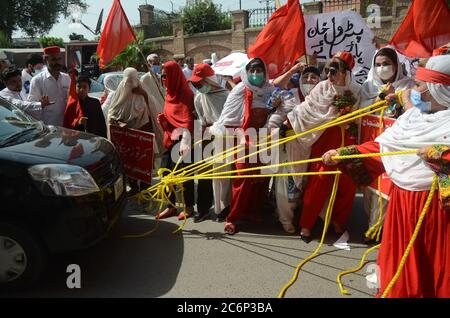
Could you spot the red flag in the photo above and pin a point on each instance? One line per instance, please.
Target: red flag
(282, 41)
(116, 35)
(73, 111)
(425, 28)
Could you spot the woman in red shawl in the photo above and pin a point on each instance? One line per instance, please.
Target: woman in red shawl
(177, 122)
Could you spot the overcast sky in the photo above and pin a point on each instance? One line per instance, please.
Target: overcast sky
(90, 18)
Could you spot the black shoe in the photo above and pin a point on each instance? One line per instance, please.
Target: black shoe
(201, 216)
(306, 239)
(222, 216)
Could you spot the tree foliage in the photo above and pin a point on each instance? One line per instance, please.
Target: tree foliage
(131, 56)
(34, 17)
(4, 41)
(76, 37)
(204, 16)
(46, 41)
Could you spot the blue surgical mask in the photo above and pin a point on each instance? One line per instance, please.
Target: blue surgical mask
(156, 69)
(256, 79)
(416, 99)
(205, 89)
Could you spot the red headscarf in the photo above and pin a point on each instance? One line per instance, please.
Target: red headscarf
(73, 111)
(179, 106)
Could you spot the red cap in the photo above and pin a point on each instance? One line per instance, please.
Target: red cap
(201, 71)
(347, 57)
(52, 50)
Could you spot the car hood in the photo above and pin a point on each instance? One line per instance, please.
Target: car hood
(61, 145)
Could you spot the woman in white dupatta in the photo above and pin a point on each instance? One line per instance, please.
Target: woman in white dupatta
(318, 109)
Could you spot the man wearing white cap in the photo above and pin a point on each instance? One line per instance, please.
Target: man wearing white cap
(151, 81)
(424, 127)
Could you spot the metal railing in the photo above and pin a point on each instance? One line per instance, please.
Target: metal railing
(259, 17)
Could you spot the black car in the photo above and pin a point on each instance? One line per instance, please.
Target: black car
(60, 190)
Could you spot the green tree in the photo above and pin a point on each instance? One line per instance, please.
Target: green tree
(34, 17)
(45, 41)
(134, 55)
(204, 16)
(4, 41)
(76, 37)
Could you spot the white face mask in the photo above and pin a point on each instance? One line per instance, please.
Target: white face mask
(385, 72)
(306, 89)
(36, 71)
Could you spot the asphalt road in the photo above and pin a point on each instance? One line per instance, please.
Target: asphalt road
(205, 262)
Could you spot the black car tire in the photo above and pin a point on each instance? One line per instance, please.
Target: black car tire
(36, 256)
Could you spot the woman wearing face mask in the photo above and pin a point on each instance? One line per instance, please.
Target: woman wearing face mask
(385, 78)
(286, 192)
(424, 127)
(209, 102)
(246, 107)
(319, 108)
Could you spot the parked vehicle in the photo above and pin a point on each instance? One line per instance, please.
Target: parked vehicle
(60, 190)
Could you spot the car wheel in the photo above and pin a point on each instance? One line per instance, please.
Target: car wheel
(22, 258)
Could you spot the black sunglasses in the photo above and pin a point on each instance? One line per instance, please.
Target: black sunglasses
(330, 70)
(164, 76)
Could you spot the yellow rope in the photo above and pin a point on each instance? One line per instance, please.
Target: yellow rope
(325, 227)
(169, 180)
(375, 231)
(354, 270)
(314, 254)
(413, 238)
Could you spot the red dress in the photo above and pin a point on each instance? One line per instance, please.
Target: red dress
(249, 194)
(318, 188)
(427, 269)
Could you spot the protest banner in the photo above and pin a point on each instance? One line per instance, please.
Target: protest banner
(135, 149)
(328, 33)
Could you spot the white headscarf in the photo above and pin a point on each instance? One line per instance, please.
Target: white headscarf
(112, 81)
(440, 93)
(373, 85)
(315, 111)
(128, 107)
(414, 130)
(233, 110)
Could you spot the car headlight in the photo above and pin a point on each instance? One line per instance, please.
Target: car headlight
(64, 180)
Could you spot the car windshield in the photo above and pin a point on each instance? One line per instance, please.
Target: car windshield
(15, 124)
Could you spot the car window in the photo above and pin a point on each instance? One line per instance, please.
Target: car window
(14, 122)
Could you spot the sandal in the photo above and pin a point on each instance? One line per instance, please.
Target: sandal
(289, 228)
(230, 228)
(167, 213)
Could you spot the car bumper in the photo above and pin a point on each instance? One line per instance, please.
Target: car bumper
(84, 221)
